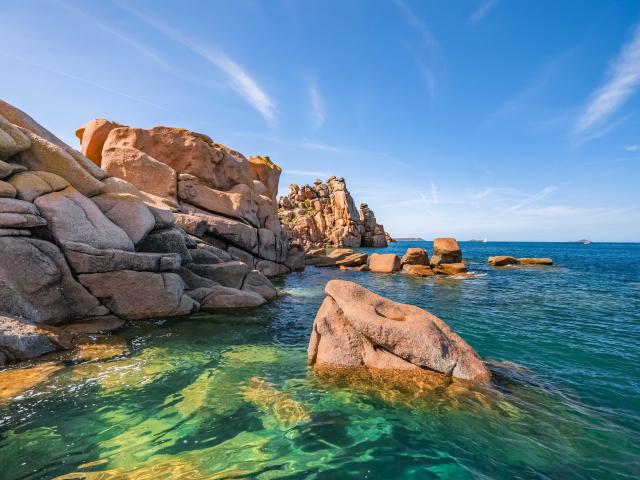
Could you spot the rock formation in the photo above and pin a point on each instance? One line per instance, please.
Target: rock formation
(357, 328)
(219, 197)
(325, 215)
(79, 244)
(504, 260)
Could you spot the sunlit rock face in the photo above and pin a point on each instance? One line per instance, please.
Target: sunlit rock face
(357, 328)
(233, 195)
(325, 215)
(81, 243)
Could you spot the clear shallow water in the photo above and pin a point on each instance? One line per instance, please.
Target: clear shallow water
(230, 395)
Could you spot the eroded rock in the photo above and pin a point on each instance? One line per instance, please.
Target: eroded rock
(355, 327)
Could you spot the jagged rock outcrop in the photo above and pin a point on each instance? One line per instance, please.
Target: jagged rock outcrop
(221, 197)
(78, 245)
(354, 327)
(325, 215)
(504, 260)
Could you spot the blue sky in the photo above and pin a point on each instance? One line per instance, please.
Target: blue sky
(511, 120)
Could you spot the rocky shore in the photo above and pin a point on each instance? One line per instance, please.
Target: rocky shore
(324, 215)
(142, 224)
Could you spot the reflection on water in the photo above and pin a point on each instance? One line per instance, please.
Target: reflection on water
(230, 395)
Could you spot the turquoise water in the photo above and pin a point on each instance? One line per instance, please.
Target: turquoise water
(230, 395)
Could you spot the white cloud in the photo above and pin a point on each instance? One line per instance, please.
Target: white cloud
(623, 80)
(632, 148)
(482, 10)
(239, 80)
(318, 113)
(434, 193)
(536, 197)
(418, 25)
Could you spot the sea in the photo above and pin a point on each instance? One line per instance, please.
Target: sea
(229, 395)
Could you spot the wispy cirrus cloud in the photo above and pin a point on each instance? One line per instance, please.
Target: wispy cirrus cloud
(530, 200)
(418, 25)
(622, 82)
(239, 79)
(482, 10)
(318, 113)
(632, 148)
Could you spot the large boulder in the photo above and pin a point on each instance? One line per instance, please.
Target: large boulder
(128, 212)
(16, 213)
(36, 284)
(12, 140)
(171, 240)
(418, 270)
(384, 262)
(357, 328)
(256, 282)
(446, 250)
(72, 217)
(450, 268)
(228, 274)
(31, 185)
(145, 172)
(85, 259)
(415, 256)
(219, 297)
(536, 261)
(136, 295)
(20, 340)
(502, 260)
(92, 137)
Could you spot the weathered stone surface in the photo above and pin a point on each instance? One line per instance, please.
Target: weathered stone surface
(536, 261)
(357, 328)
(91, 326)
(267, 173)
(7, 190)
(415, 256)
(136, 295)
(31, 185)
(194, 281)
(325, 215)
(85, 259)
(92, 137)
(234, 203)
(72, 217)
(204, 257)
(271, 269)
(21, 119)
(224, 297)
(295, 259)
(228, 274)
(12, 140)
(128, 212)
(49, 157)
(20, 340)
(20, 220)
(258, 283)
(418, 270)
(14, 232)
(218, 252)
(232, 231)
(44, 291)
(502, 260)
(5, 169)
(450, 269)
(243, 256)
(170, 240)
(337, 258)
(446, 250)
(145, 172)
(192, 224)
(384, 262)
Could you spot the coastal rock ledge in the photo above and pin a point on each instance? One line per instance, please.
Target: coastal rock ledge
(354, 327)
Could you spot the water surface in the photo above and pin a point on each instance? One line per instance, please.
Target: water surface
(230, 396)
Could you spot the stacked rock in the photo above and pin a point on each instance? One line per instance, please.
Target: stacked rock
(79, 245)
(325, 215)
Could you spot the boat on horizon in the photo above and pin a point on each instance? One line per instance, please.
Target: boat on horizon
(585, 241)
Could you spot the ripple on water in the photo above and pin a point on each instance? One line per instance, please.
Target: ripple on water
(229, 395)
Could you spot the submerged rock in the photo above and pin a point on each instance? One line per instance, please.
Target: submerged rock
(355, 327)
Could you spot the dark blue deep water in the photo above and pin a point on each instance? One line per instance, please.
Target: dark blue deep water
(230, 395)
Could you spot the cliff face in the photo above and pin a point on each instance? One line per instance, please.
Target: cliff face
(325, 215)
(195, 228)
